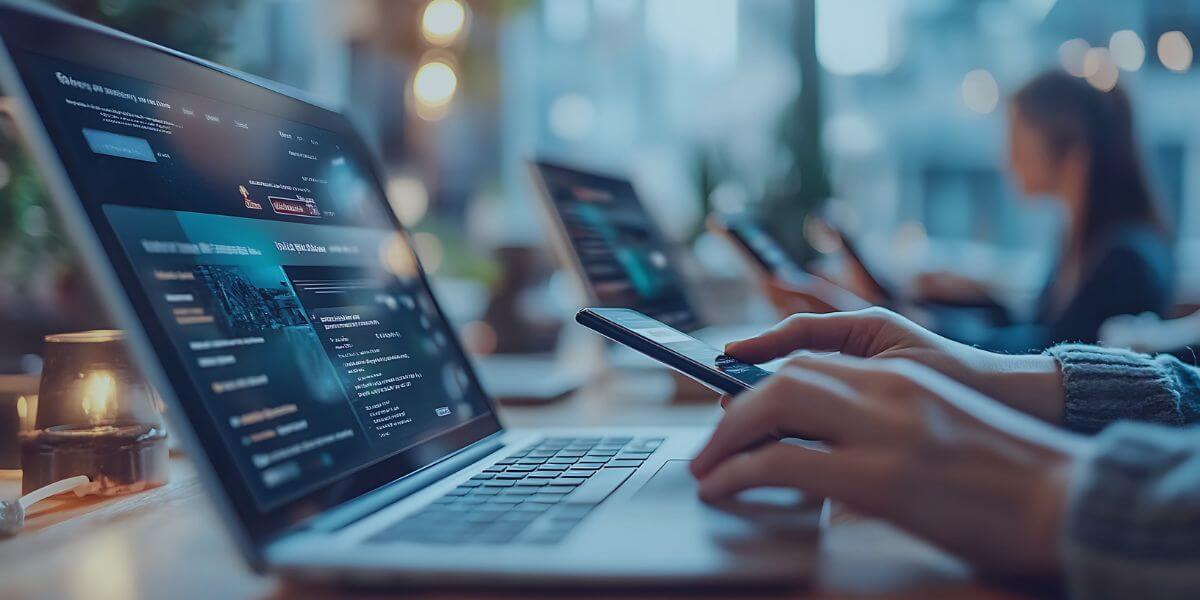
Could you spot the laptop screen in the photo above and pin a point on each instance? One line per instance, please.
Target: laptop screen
(624, 259)
(288, 309)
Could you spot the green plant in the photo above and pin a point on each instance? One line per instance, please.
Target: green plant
(30, 238)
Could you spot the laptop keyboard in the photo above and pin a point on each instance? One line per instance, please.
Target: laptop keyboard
(535, 496)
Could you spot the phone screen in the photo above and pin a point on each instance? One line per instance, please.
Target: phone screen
(758, 244)
(627, 324)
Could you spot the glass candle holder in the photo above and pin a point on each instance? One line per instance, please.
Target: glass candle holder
(96, 416)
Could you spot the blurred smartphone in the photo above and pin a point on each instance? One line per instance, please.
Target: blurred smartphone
(757, 246)
(883, 290)
(673, 348)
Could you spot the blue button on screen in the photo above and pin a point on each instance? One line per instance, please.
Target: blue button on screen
(120, 146)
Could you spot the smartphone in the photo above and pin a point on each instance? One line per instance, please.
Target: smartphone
(758, 247)
(884, 291)
(678, 350)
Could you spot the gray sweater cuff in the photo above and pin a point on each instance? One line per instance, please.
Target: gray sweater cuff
(1132, 522)
(1105, 385)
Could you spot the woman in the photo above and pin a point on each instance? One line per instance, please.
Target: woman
(964, 447)
(1072, 142)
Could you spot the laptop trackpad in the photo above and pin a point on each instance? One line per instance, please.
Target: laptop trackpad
(674, 482)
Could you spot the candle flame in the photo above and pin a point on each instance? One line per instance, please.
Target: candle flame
(98, 391)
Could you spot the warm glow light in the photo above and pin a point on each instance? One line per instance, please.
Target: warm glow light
(396, 258)
(1100, 69)
(409, 199)
(429, 249)
(1071, 54)
(443, 21)
(27, 411)
(1127, 50)
(98, 388)
(433, 88)
(1175, 51)
(980, 92)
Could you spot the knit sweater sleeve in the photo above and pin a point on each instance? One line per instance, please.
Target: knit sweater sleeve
(1104, 385)
(1133, 515)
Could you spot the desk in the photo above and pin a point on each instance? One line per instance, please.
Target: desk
(167, 543)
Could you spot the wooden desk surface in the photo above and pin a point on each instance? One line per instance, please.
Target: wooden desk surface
(167, 543)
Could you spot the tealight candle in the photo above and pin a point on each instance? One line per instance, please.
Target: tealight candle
(96, 417)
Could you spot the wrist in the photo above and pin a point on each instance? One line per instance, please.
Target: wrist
(1032, 384)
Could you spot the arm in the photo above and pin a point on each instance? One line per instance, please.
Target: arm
(1133, 515)
(1083, 387)
(1030, 384)
(1104, 385)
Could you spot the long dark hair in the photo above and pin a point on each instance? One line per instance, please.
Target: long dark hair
(1071, 113)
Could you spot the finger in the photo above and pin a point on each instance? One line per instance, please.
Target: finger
(853, 371)
(818, 472)
(873, 380)
(793, 402)
(725, 400)
(850, 332)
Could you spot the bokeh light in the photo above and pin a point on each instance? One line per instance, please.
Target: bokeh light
(1127, 50)
(35, 221)
(1070, 55)
(855, 37)
(433, 87)
(430, 250)
(395, 257)
(818, 235)
(1100, 69)
(443, 21)
(1175, 51)
(409, 199)
(980, 92)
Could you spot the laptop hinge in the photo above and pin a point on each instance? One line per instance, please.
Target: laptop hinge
(372, 502)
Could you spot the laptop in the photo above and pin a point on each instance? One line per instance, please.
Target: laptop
(604, 235)
(241, 237)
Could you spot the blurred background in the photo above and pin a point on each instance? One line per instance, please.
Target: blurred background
(889, 114)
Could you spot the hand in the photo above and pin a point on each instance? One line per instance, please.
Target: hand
(905, 444)
(1031, 384)
(814, 295)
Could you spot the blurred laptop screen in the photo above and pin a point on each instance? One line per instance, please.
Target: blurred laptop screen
(624, 257)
